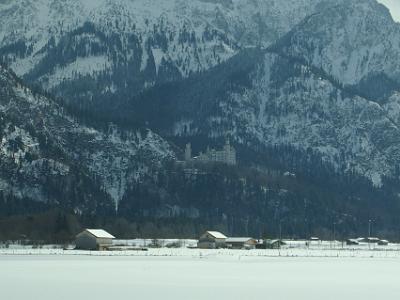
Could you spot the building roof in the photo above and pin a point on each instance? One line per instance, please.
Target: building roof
(270, 242)
(217, 234)
(353, 240)
(100, 233)
(238, 239)
(373, 239)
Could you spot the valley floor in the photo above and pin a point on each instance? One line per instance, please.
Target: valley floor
(199, 274)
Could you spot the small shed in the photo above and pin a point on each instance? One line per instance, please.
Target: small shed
(315, 239)
(373, 240)
(352, 242)
(94, 239)
(273, 244)
(212, 240)
(241, 243)
(370, 240)
(383, 243)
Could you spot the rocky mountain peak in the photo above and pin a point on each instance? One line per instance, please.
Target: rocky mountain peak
(355, 42)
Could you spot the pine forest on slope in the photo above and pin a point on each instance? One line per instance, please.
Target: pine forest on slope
(307, 87)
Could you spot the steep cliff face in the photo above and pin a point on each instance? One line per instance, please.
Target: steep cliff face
(46, 153)
(358, 43)
(105, 51)
(302, 108)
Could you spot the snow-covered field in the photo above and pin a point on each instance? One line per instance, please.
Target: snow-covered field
(206, 253)
(323, 270)
(218, 275)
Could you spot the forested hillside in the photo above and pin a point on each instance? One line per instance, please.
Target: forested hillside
(107, 94)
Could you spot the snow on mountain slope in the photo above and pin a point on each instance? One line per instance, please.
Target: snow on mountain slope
(38, 139)
(307, 111)
(279, 102)
(354, 42)
(146, 41)
(109, 50)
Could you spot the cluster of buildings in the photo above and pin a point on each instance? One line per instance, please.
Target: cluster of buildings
(368, 240)
(99, 239)
(226, 155)
(216, 239)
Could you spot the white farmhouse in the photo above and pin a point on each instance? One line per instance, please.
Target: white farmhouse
(211, 240)
(94, 239)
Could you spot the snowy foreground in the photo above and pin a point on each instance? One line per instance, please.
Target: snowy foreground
(200, 274)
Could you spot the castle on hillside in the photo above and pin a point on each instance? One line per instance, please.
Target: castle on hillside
(227, 155)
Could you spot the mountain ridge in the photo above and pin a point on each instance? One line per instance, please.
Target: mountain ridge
(155, 40)
(349, 41)
(298, 87)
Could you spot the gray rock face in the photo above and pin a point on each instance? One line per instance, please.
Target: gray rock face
(308, 111)
(40, 143)
(74, 47)
(352, 42)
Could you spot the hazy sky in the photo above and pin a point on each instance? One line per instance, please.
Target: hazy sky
(394, 6)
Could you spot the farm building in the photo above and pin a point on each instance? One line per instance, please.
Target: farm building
(370, 240)
(212, 240)
(383, 243)
(373, 240)
(93, 239)
(352, 242)
(241, 243)
(273, 244)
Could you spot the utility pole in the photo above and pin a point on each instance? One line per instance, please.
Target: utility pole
(247, 225)
(334, 233)
(369, 227)
(369, 232)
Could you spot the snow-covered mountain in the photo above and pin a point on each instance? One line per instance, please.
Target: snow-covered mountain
(310, 87)
(45, 153)
(107, 49)
(356, 42)
(280, 102)
(305, 109)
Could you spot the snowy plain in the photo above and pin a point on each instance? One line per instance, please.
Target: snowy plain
(324, 270)
(219, 276)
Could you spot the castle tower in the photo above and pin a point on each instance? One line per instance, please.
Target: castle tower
(188, 152)
(229, 153)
